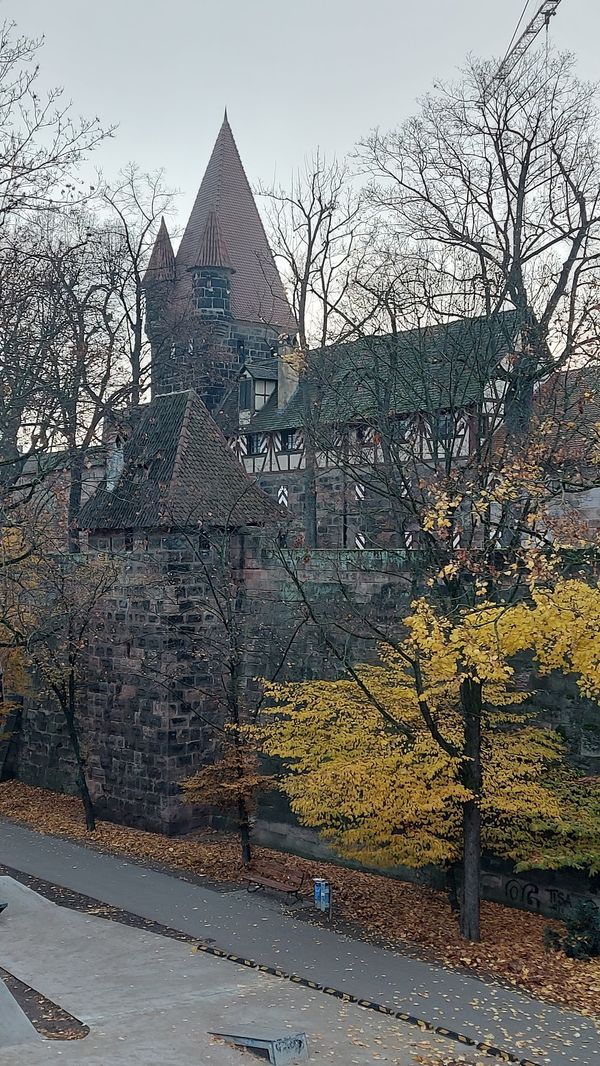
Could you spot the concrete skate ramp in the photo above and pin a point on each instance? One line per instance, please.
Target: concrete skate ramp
(15, 1027)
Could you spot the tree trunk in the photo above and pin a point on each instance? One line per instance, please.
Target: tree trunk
(310, 413)
(76, 477)
(310, 490)
(527, 370)
(244, 828)
(470, 903)
(70, 717)
(471, 775)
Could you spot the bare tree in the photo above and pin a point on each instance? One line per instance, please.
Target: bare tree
(48, 602)
(136, 201)
(86, 365)
(41, 148)
(241, 645)
(504, 174)
(315, 229)
(41, 143)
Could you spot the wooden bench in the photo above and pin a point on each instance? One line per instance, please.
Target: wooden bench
(272, 874)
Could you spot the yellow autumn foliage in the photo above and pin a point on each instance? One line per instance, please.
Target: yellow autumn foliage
(364, 767)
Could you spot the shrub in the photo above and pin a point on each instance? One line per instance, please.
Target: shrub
(582, 932)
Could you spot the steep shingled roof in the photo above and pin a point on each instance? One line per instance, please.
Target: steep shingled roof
(161, 266)
(569, 401)
(178, 471)
(433, 368)
(257, 293)
(213, 249)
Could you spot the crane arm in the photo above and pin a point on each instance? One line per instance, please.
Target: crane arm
(541, 18)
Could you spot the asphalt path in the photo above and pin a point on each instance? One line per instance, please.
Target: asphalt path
(257, 927)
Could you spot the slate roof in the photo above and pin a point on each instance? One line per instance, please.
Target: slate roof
(263, 371)
(433, 368)
(178, 472)
(213, 249)
(161, 265)
(570, 400)
(257, 293)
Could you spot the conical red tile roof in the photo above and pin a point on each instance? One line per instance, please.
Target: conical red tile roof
(161, 266)
(213, 250)
(257, 293)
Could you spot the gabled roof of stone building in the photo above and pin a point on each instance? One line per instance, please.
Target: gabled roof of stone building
(257, 293)
(439, 367)
(178, 471)
(161, 266)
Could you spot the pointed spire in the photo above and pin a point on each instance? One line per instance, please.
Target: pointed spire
(161, 266)
(257, 293)
(213, 249)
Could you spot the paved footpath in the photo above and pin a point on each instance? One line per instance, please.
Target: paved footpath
(255, 927)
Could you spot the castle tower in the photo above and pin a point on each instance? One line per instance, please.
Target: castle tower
(211, 274)
(226, 305)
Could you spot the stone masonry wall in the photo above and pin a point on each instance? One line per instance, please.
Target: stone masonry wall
(156, 656)
(208, 355)
(142, 740)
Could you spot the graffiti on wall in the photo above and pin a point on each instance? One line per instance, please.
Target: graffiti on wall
(542, 898)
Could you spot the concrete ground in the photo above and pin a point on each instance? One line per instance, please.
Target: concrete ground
(150, 1000)
(257, 927)
(15, 1027)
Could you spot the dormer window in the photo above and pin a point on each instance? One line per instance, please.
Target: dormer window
(114, 464)
(255, 392)
(263, 390)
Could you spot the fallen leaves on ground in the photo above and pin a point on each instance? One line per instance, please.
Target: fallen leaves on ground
(395, 913)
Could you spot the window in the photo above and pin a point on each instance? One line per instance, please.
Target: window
(128, 540)
(254, 393)
(203, 544)
(446, 428)
(262, 392)
(288, 440)
(245, 394)
(253, 444)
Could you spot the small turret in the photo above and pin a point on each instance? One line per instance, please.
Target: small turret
(211, 273)
(161, 267)
(158, 283)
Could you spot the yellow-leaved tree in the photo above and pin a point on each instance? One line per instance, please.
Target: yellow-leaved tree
(388, 767)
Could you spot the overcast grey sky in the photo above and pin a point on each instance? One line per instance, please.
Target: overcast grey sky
(294, 74)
